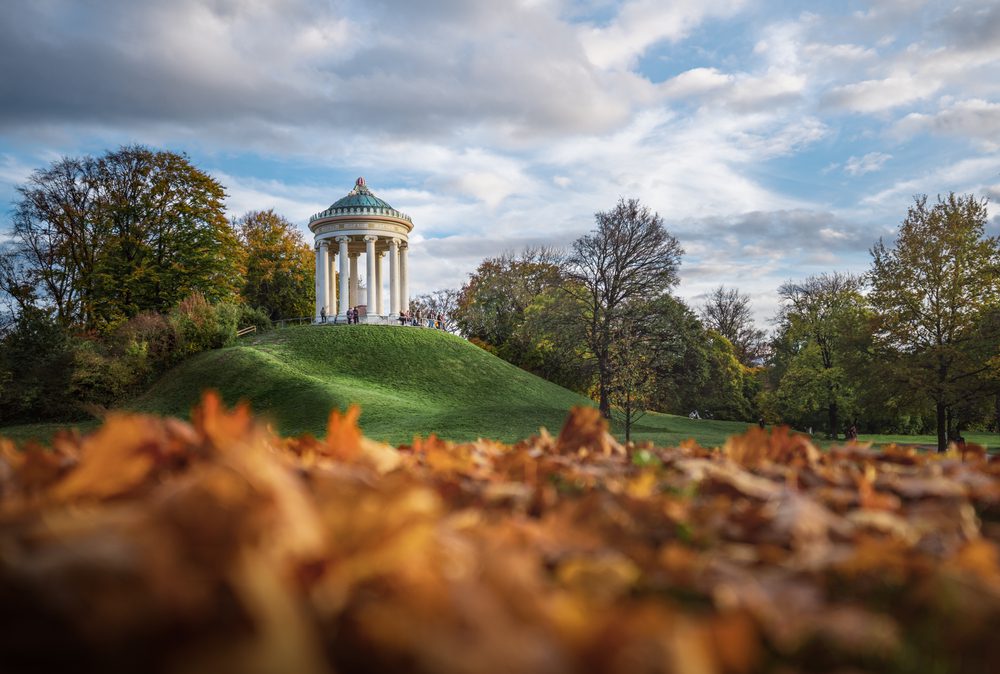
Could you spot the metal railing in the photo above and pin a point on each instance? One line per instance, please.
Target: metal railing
(374, 319)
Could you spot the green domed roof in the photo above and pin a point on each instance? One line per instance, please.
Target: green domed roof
(360, 200)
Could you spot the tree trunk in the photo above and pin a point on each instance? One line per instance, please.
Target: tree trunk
(832, 415)
(628, 418)
(941, 427)
(604, 378)
(949, 424)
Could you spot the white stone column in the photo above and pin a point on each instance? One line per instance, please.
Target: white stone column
(370, 278)
(354, 279)
(319, 282)
(378, 283)
(393, 277)
(344, 306)
(331, 286)
(404, 279)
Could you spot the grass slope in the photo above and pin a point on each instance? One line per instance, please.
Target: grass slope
(407, 382)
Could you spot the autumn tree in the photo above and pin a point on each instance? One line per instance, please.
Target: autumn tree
(727, 311)
(931, 290)
(99, 239)
(280, 265)
(629, 258)
(491, 305)
(820, 317)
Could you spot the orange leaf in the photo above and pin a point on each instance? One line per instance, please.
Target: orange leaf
(343, 437)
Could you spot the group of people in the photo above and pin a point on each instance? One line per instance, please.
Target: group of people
(415, 318)
(405, 318)
(352, 316)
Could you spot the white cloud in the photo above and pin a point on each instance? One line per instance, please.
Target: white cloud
(859, 166)
(878, 95)
(642, 23)
(973, 175)
(975, 119)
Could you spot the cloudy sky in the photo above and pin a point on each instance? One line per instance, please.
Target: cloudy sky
(777, 139)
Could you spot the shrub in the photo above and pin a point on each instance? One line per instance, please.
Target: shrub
(148, 337)
(200, 325)
(36, 361)
(102, 379)
(254, 316)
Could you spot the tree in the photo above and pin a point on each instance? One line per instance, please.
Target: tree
(931, 291)
(632, 354)
(628, 259)
(280, 265)
(821, 316)
(36, 361)
(101, 239)
(443, 301)
(727, 312)
(491, 305)
(554, 343)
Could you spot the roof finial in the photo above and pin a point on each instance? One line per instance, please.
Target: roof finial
(360, 182)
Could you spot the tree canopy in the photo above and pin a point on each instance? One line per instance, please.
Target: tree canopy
(931, 290)
(101, 239)
(280, 265)
(628, 259)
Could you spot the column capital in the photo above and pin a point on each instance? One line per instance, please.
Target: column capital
(343, 239)
(322, 244)
(393, 241)
(404, 244)
(371, 237)
(354, 253)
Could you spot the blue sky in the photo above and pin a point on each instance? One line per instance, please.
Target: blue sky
(776, 139)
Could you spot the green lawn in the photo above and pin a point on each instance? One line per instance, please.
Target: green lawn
(989, 440)
(665, 430)
(407, 382)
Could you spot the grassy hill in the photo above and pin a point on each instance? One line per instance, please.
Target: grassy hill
(406, 382)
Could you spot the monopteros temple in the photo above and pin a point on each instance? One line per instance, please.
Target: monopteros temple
(361, 224)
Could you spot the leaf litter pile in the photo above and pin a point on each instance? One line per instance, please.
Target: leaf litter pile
(155, 545)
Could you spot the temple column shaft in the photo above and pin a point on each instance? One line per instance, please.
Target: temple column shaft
(354, 279)
(394, 277)
(320, 285)
(331, 285)
(370, 278)
(344, 275)
(380, 306)
(404, 280)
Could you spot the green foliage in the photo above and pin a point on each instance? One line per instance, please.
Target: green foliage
(254, 316)
(934, 291)
(36, 362)
(491, 305)
(103, 239)
(821, 346)
(551, 342)
(201, 326)
(280, 266)
(151, 337)
(104, 380)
